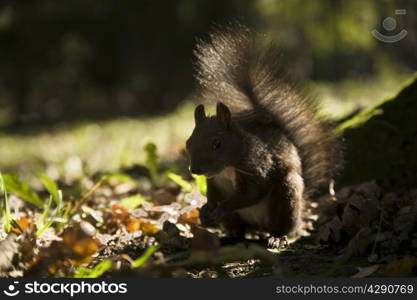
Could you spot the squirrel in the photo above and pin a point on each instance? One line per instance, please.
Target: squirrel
(265, 152)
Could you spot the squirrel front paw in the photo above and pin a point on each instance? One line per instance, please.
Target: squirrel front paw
(210, 215)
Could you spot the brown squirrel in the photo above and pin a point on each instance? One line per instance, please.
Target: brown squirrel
(264, 152)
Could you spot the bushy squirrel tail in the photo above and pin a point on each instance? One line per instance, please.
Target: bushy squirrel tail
(233, 70)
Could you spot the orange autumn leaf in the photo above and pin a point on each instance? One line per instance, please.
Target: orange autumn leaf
(192, 217)
(148, 228)
(78, 262)
(123, 217)
(78, 244)
(86, 247)
(23, 222)
(53, 269)
(69, 236)
(133, 224)
(119, 212)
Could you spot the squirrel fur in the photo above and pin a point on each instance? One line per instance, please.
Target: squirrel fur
(265, 152)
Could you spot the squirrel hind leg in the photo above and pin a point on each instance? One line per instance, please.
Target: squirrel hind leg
(286, 206)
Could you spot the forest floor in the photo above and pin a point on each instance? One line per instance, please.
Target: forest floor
(115, 199)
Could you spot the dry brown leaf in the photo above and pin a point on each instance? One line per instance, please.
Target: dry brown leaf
(148, 227)
(336, 229)
(77, 244)
(8, 248)
(350, 219)
(358, 244)
(406, 266)
(23, 222)
(119, 212)
(133, 224)
(405, 219)
(121, 218)
(192, 217)
(365, 272)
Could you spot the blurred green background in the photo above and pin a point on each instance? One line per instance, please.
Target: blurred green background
(85, 84)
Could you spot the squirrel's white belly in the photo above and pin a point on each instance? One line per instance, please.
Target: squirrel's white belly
(257, 214)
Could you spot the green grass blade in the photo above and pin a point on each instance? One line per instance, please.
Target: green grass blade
(141, 260)
(132, 202)
(152, 160)
(51, 187)
(184, 184)
(7, 218)
(95, 272)
(122, 178)
(46, 212)
(44, 227)
(60, 203)
(201, 182)
(65, 213)
(21, 189)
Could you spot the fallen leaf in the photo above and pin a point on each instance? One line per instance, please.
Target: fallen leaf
(365, 272)
(406, 266)
(23, 222)
(148, 227)
(133, 224)
(192, 217)
(8, 248)
(358, 244)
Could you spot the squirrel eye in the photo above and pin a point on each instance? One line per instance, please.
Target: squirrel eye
(216, 144)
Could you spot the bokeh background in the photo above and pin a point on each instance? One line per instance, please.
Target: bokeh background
(85, 84)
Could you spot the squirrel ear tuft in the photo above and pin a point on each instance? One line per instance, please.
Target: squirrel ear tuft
(223, 114)
(199, 114)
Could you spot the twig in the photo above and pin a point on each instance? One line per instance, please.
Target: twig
(80, 203)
